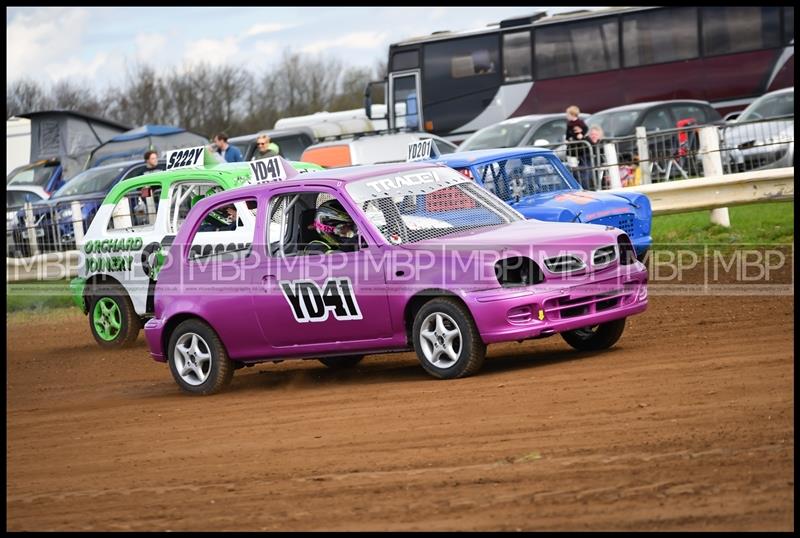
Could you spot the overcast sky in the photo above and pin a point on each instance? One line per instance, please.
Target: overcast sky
(94, 45)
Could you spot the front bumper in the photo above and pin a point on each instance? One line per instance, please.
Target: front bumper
(545, 309)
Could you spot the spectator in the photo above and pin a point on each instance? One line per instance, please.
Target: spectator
(264, 148)
(576, 127)
(231, 154)
(151, 162)
(595, 138)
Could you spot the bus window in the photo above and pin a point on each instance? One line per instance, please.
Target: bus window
(576, 48)
(788, 25)
(517, 56)
(736, 29)
(659, 36)
(460, 66)
(407, 59)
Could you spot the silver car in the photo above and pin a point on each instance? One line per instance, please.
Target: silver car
(763, 135)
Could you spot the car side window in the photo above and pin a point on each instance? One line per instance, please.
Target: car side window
(137, 209)
(183, 196)
(657, 120)
(225, 232)
(297, 227)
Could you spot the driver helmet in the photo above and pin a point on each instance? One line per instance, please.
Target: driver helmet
(333, 223)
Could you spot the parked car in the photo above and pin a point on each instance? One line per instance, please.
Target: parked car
(53, 218)
(46, 174)
(673, 152)
(755, 143)
(536, 183)
(125, 245)
(422, 259)
(291, 142)
(369, 149)
(520, 131)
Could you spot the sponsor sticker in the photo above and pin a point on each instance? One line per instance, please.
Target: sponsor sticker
(267, 170)
(185, 158)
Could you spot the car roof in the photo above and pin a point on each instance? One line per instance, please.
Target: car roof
(346, 174)
(782, 90)
(538, 117)
(393, 138)
(469, 158)
(271, 133)
(649, 104)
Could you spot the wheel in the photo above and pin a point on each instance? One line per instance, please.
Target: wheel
(446, 339)
(197, 359)
(340, 363)
(112, 319)
(595, 337)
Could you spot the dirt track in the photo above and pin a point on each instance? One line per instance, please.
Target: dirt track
(688, 423)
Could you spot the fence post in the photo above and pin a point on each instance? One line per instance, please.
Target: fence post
(31, 229)
(644, 154)
(610, 152)
(712, 166)
(77, 224)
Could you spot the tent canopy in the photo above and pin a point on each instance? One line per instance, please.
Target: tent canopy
(133, 143)
(68, 136)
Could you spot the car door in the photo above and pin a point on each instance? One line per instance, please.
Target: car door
(309, 299)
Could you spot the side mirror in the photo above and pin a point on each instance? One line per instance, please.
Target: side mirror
(541, 142)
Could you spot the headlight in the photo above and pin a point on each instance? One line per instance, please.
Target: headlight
(65, 214)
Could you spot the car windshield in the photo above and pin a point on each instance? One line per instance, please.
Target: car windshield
(512, 179)
(92, 180)
(427, 203)
(769, 106)
(502, 135)
(615, 124)
(37, 174)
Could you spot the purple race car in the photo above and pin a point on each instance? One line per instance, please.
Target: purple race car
(361, 260)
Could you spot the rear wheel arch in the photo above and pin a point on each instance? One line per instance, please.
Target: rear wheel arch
(173, 322)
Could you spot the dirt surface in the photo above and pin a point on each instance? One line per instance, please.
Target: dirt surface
(687, 423)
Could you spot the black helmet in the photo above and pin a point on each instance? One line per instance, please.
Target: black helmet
(333, 223)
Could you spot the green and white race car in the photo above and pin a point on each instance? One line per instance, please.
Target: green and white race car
(126, 243)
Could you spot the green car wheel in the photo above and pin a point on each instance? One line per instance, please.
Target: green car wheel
(112, 319)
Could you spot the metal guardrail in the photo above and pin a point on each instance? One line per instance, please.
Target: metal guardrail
(776, 185)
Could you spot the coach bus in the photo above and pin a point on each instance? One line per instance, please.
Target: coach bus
(453, 83)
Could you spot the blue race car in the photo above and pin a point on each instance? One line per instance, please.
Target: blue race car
(537, 184)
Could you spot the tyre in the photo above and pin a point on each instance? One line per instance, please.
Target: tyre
(341, 363)
(446, 339)
(197, 359)
(112, 319)
(595, 337)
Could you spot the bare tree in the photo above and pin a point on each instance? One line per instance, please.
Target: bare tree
(26, 95)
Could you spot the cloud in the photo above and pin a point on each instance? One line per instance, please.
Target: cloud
(212, 51)
(355, 40)
(43, 37)
(267, 28)
(149, 47)
(74, 67)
